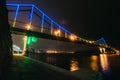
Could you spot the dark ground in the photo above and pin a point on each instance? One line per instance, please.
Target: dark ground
(24, 68)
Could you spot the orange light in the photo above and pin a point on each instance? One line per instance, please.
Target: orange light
(104, 62)
(73, 37)
(74, 65)
(94, 61)
(51, 51)
(28, 27)
(57, 33)
(24, 46)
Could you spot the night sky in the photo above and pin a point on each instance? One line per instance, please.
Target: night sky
(89, 19)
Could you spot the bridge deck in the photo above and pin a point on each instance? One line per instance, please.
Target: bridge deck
(24, 68)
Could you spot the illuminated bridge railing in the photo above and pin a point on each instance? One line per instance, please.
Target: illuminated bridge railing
(30, 17)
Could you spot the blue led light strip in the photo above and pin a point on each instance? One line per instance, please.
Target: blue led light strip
(40, 11)
(42, 24)
(31, 14)
(51, 27)
(11, 4)
(51, 20)
(16, 14)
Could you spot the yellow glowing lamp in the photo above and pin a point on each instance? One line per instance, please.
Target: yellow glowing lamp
(57, 33)
(28, 27)
(73, 37)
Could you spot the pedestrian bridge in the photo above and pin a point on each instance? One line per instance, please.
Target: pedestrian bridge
(31, 22)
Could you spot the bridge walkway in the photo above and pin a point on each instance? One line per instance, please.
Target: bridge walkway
(24, 68)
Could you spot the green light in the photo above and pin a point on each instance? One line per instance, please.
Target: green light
(28, 40)
(31, 39)
(34, 39)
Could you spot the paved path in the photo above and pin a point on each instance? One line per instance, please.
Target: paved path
(24, 68)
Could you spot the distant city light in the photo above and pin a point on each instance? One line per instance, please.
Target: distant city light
(51, 51)
(16, 48)
(58, 51)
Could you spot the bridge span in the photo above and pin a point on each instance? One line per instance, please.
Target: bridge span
(28, 20)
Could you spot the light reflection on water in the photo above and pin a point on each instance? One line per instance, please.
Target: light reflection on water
(74, 64)
(104, 63)
(107, 64)
(94, 62)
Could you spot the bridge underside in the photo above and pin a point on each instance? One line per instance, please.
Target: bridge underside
(48, 42)
(45, 36)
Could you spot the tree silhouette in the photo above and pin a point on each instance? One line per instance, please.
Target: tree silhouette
(5, 39)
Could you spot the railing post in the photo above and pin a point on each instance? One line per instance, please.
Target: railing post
(31, 16)
(65, 34)
(51, 27)
(59, 32)
(42, 24)
(16, 14)
(25, 45)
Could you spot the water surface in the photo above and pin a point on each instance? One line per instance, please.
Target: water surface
(107, 64)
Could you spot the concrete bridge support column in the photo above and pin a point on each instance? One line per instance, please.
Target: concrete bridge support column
(102, 50)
